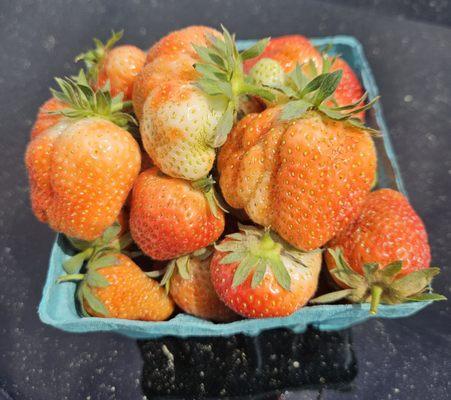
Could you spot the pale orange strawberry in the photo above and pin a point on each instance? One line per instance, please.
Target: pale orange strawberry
(169, 217)
(298, 170)
(82, 169)
(115, 287)
(45, 119)
(189, 283)
(258, 275)
(119, 65)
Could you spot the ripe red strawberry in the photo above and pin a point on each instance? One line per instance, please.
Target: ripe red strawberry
(288, 51)
(303, 168)
(384, 254)
(188, 97)
(45, 118)
(258, 275)
(119, 65)
(169, 217)
(115, 287)
(82, 168)
(189, 283)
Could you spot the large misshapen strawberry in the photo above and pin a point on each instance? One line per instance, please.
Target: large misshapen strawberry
(258, 275)
(302, 168)
(171, 217)
(184, 121)
(383, 256)
(117, 66)
(82, 168)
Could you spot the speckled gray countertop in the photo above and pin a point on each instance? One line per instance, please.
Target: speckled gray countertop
(408, 44)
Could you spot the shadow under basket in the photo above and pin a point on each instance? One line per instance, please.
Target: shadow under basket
(58, 306)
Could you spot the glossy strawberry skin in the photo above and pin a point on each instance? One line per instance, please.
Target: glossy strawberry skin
(268, 299)
(169, 218)
(80, 175)
(45, 120)
(196, 295)
(305, 178)
(387, 230)
(131, 294)
(120, 68)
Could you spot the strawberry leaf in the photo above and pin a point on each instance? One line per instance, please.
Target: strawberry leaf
(93, 278)
(255, 50)
(244, 269)
(103, 261)
(224, 126)
(328, 86)
(93, 302)
(332, 297)
(280, 272)
(427, 297)
(295, 109)
(259, 273)
(74, 264)
(232, 258)
(183, 267)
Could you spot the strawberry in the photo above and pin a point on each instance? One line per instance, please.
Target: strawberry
(287, 51)
(47, 117)
(115, 287)
(188, 281)
(171, 58)
(184, 121)
(82, 168)
(119, 65)
(302, 168)
(258, 275)
(383, 256)
(170, 217)
(181, 42)
(283, 53)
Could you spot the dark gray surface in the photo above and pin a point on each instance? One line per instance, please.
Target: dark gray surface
(397, 359)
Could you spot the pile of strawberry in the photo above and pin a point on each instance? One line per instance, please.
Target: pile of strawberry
(229, 173)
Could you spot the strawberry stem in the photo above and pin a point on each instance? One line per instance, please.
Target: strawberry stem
(71, 277)
(376, 292)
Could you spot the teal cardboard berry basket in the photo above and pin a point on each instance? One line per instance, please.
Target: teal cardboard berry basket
(58, 307)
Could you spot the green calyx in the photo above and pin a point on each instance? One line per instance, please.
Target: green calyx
(221, 74)
(305, 88)
(258, 250)
(83, 102)
(94, 57)
(97, 254)
(207, 186)
(182, 264)
(379, 285)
